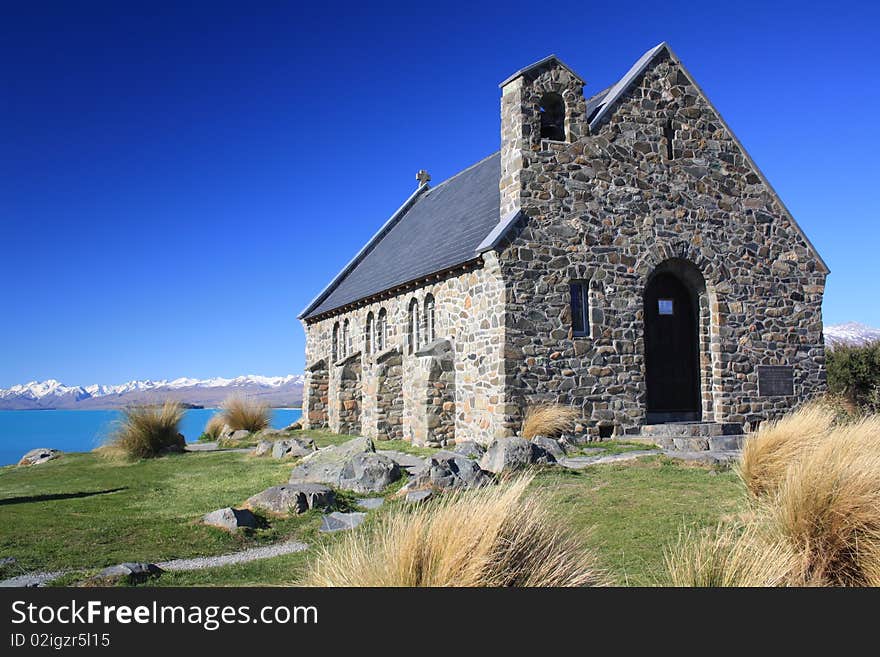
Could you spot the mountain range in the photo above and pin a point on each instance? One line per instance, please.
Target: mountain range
(851, 333)
(273, 390)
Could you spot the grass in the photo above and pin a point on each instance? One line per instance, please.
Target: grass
(82, 511)
(613, 446)
(550, 420)
(214, 427)
(242, 413)
(146, 431)
(494, 536)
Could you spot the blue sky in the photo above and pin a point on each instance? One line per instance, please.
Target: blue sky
(177, 182)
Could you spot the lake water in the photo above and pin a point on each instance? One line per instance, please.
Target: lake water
(82, 431)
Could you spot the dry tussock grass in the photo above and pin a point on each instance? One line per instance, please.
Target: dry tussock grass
(550, 420)
(145, 432)
(215, 426)
(244, 413)
(494, 536)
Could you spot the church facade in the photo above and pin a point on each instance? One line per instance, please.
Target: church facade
(621, 254)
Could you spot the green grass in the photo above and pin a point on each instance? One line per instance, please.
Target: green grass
(67, 513)
(611, 447)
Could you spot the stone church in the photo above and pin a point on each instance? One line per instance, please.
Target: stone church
(621, 254)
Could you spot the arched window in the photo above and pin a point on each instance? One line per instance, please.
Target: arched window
(346, 338)
(413, 325)
(335, 342)
(369, 332)
(381, 329)
(429, 318)
(552, 117)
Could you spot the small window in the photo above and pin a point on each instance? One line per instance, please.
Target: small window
(669, 136)
(413, 325)
(666, 306)
(369, 332)
(429, 318)
(335, 347)
(580, 309)
(552, 117)
(381, 328)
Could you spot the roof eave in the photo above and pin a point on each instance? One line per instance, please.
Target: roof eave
(541, 62)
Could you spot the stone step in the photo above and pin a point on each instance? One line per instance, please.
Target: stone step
(692, 429)
(720, 438)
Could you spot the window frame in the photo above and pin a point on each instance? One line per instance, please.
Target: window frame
(369, 332)
(381, 330)
(429, 317)
(583, 288)
(414, 321)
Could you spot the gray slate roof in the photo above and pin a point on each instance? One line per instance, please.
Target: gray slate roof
(441, 228)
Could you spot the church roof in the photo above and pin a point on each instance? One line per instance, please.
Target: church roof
(438, 228)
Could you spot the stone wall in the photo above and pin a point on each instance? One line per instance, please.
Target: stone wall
(468, 314)
(610, 208)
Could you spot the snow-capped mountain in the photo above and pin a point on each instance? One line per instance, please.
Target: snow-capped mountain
(273, 390)
(850, 333)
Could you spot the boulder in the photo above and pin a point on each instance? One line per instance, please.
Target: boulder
(415, 496)
(296, 426)
(368, 473)
(293, 447)
(550, 445)
(370, 503)
(337, 521)
(128, 573)
(324, 466)
(263, 447)
(241, 434)
(469, 448)
(39, 455)
(230, 519)
(449, 471)
(513, 453)
(292, 498)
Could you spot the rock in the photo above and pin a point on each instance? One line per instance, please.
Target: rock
(368, 473)
(39, 455)
(296, 426)
(263, 447)
(513, 453)
(449, 471)
(230, 519)
(416, 496)
(176, 448)
(325, 465)
(337, 521)
(241, 434)
(129, 573)
(296, 498)
(409, 462)
(550, 445)
(469, 448)
(293, 447)
(370, 502)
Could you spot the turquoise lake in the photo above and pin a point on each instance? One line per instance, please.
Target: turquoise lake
(82, 431)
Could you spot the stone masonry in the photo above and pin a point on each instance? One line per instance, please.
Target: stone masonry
(654, 184)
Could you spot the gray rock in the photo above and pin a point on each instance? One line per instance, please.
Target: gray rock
(296, 426)
(469, 448)
(325, 465)
(513, 453)
(293, 447)
(241, 434)
(448, 471)
(292, 498)
(337, 521)
(39, 455)
(230, 519)
(129, 573)
(409, 462)
(550, 445)
(416, 496)
(370, 503)
(368, 473)
(263, 447)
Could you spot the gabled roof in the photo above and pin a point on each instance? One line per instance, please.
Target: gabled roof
(539, 64)
(436, 229)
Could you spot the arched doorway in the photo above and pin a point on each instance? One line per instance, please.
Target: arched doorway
(672, 334)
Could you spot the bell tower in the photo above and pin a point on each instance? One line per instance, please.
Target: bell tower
(541, 103)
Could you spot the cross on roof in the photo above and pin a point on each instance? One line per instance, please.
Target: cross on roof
(423, 177)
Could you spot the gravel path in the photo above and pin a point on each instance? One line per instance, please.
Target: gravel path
(196, 563)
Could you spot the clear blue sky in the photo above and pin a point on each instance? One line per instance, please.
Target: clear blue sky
(177, 182)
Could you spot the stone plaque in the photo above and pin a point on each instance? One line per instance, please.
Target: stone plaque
(775, 380)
